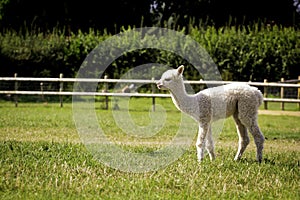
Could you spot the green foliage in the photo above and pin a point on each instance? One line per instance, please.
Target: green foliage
(48, 14)
(244, 53)
(3, 3)
(45, 54)
(252, 53)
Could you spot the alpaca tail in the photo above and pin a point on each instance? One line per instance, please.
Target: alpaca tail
(259, 97)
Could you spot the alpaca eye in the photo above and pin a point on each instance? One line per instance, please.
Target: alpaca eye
(168, 79)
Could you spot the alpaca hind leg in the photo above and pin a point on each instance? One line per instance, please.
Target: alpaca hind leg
(250, 121)
(200, 144)
(210, 144)
(243, 137)
(258, 139)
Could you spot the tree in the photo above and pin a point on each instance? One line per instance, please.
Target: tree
(179, 12)
(220, 12)
(73, 15)
(3, 3)
(83, 15)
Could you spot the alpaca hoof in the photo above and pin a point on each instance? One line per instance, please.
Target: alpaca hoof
(237, 158)
(212, 157)
(200, 159)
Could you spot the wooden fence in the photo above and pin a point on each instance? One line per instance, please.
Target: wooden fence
(60, 91)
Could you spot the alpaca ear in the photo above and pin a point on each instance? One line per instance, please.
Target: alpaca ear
(180, 69)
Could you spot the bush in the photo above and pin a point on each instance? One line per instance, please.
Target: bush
(45, 54)
(252, 53)
(245, 53)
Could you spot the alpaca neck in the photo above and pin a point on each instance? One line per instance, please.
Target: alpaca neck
(181, 99)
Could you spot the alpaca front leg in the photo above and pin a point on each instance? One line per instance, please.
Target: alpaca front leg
(200, 144)
(210, 147)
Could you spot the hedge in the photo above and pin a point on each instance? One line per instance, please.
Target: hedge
(245, 53)
(253, 53)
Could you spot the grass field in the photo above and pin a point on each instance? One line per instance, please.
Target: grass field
(277, 106)
(42, 157)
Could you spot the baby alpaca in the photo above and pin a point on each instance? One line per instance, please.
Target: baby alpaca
(240, 101)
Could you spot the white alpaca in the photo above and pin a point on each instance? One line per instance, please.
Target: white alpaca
(240, 101)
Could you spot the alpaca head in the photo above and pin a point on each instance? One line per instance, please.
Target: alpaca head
(171, 79)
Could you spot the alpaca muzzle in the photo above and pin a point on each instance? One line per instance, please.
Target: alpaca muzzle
(159, 85)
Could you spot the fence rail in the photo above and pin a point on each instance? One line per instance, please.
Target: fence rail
(60, 91)
(200, 82)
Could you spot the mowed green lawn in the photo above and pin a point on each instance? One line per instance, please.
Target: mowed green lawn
(42, 157)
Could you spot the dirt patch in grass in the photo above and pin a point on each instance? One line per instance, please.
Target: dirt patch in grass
(279, 112)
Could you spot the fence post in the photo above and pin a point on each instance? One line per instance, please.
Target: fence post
(61, 86)
(153, 92)
(282, 94)
(16, 89)
(265, 95)
(299, 92)
(42, 91)
(106, 90)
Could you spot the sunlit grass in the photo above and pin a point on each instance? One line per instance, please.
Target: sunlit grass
(277, 106)
(42, 157)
